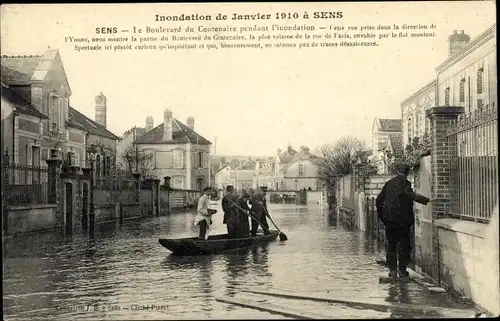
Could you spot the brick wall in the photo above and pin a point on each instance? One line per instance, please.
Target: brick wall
(373, 184)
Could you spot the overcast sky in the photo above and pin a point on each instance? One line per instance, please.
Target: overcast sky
(253, 101)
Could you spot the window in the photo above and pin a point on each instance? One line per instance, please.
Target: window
(480, 80)
(200, 184)
(178, 158)
(417, 129)
(301, 169)
(200, 159)
(107, 167)
(462, 90)
(35, 156)
(98, 165)
(77, 159)
(447, 96)
(409, 128)
(54, 118)
(177, 182)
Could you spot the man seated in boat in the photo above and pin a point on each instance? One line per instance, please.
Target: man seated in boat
(204, 213)
(228, 207)
(238, 222)
(259, 211)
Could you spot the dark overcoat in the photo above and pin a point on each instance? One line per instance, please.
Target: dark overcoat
(395, 201)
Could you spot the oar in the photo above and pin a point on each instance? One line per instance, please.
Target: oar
(283, 236)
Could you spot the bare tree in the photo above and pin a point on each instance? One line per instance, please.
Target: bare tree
(337, 160)
(142, 160)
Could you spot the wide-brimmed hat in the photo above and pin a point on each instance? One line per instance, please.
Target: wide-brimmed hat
(229, 188)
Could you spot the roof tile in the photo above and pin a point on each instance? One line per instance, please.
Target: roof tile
(20, 103)
(18, 70)
(91, 126)
(391, 125)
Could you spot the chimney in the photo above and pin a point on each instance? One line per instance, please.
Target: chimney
(167, 125)
(100, 109)
(190, 122)
(457, 41)
(278, 151)
(149, 123)
(304, 149)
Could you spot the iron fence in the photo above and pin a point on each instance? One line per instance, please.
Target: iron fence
(25, 184)
(474, 173)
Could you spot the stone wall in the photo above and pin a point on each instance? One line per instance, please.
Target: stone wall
(469, 263)
(28, 219)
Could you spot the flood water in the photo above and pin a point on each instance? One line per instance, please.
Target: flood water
(123, 271)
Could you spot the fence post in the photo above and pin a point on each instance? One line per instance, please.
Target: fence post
(137, 178)
(442, 151)
(54, 185)
(5, 183)
(157, 197)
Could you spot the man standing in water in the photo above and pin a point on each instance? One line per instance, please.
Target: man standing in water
(228, 207)
(395, 210)
(204, 213)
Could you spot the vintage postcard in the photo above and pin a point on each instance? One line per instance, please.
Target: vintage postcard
(318, 160)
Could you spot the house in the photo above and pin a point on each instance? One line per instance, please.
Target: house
(382, 130)
(44, 124)
(125, 148)
(394, 144)
(413, 108)
(177, 151)
(289, 170)
(222, 176)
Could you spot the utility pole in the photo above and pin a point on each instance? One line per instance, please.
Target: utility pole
(210, 163)
(136, 151)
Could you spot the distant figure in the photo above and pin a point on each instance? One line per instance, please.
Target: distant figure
(395, 210)
(204, 213)
(259, 211)
(229, 208)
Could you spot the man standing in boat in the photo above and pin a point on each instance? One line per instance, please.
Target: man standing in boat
(238, 221)
(204, 213)
(228, 207)
(259, 211)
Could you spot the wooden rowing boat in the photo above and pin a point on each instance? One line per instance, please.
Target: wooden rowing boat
(215, 243)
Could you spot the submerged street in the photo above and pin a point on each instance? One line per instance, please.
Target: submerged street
(126, 274)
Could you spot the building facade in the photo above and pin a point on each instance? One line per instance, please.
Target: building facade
(177, 151)
(43, 123)
(468, 77)
(414, 122)
(289, 170)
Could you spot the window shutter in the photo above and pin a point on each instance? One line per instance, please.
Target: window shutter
(51, 112)
(205, 160)
(61, 115)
